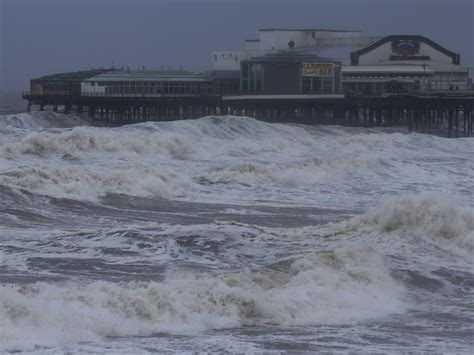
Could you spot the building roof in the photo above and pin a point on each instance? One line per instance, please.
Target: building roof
(292, 56)
(73, 76)
(148, 75)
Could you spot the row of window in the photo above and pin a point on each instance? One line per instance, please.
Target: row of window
(146, 83)
(252, 70)
(226, 87)
(376, 88)
(219, 87)
(318, 86)
(383, 75)
(252, 85)
(163, 88)
(55, 84)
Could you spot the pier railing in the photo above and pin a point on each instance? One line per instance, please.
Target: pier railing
(68, 94)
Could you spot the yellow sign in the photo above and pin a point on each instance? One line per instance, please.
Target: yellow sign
(37, 88)
(317, 69)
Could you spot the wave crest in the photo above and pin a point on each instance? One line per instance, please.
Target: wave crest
(331, 287)
(39, 120)
(82, 183)
(426, 215)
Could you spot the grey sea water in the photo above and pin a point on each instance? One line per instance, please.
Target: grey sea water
(226, 234)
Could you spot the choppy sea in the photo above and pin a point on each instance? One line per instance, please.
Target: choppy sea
(227, 234)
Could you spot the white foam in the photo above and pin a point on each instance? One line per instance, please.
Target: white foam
(305, 172)
(86, 183)
(331, 287)
(201, 138)
(36, 120)
(427, 215)
(233, 160)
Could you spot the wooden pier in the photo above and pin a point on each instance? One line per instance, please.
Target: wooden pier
(448, 113)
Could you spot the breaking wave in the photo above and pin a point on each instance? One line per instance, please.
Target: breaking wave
(425, 215)
(204, 156)
(70, 178)
(158, 158)
(264, 246)
(329, 287)
(305, 172)
(40, 120)
(84, 183)
(201, 138)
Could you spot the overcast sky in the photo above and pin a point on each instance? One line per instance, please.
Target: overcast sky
(39, 37)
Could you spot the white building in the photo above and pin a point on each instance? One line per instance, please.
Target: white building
(371, 65)
(406, 63)
(273, 40)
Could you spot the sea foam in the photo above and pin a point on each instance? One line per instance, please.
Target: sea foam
(339, 286)
(426, 215)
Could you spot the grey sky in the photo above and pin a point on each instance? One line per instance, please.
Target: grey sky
(39, 37)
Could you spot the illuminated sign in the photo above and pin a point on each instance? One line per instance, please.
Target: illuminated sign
(317, 69)
(405, 47)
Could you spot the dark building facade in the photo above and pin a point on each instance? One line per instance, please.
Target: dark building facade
(290, 73)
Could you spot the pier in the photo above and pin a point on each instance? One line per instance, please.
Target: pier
(395, 81)
(446, 113)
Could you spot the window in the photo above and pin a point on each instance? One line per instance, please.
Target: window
(245, 85)
(307, 85)
(245, 70)
(327, 86)
(317, 85)
(252, 77)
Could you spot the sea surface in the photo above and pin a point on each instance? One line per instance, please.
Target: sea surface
(227, 234)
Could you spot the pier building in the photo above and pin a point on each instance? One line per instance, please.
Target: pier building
(404, 63)
(63, 83)
(323, 42)
(147, 83)
(290, 72)
(301, 76)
